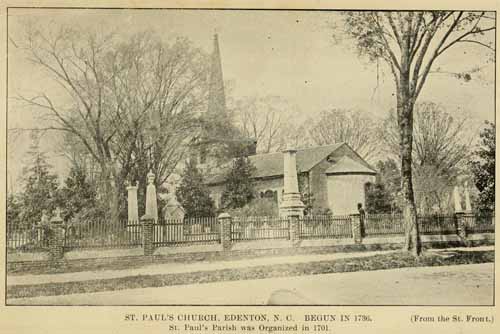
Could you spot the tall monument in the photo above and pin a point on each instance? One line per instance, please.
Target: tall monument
(151, 202)
(291, 205)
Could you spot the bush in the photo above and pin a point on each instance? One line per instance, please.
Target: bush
(257, 207)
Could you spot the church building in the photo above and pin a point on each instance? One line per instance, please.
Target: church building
(335, 175)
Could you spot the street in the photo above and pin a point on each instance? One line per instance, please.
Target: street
(448, 285)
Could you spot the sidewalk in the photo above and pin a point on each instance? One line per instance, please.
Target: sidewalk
(449, 285)
(176, 268)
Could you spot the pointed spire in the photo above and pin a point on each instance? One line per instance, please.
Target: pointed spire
(216, 94)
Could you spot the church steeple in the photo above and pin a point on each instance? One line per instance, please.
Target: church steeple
(216, 94)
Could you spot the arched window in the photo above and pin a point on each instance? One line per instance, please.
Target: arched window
(271, 195)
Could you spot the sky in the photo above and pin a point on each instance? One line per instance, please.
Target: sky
(290, 54)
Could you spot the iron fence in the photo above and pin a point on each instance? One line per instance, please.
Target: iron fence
(24, 239)
(480, 222)
(259, 228)
(102, 234)
(383, 224)
(172, 232)
(325, 226)
(437, 224)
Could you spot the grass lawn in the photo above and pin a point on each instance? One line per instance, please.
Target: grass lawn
(376, 262)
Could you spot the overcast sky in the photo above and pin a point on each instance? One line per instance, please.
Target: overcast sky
(287, 53)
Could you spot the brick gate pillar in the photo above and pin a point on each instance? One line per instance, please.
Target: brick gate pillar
(462, 218)
(294, 229)
(356, 228)
(225, 221)
(56, 238)
(148, 234)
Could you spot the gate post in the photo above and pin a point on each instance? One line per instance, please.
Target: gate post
(356, 228)
(56, 238)
(225, 230)
(461, 218)
(294, 229)
(148, 234)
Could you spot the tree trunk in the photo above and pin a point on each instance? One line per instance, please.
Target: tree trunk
(405, 106)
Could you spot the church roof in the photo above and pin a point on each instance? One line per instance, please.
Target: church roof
(271, 164)
(347, 165)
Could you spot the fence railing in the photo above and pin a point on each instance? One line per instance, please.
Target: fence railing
(482, 222)
(259, 228)
(325, 226)
(383, 224)
(102, 234)
(172, 232)
(23, 239)
(437, 224)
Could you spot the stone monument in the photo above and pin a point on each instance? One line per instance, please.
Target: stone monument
(291, 205)
(151, 201)
(468, 206)
(133, 211)
(456, 198)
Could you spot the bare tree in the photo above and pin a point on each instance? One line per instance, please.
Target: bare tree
(410, 43)
(355, 128)
(266, 120)
(441, 145)
(116, 89)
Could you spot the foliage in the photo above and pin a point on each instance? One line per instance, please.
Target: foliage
(14, 210)
(129, 100)
(40, 185)
(79, 198)
(378, 199)
(409, 43)
(257, 207)
(483, 168)
(239, 188)
(192, 193)
(440, 149)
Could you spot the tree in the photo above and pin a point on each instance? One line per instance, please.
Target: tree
(352, 127)
(128, 99)
(193, 194)
(378, 199)
(14, 210)
(40, 185)
(409, 43)
(483, 168)
(79, 197)
(264, 119)
(239, 189)
(383, 195)
(440, 150)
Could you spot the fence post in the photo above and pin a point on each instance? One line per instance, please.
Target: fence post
(56, 238)
(462, 226)
(148, 234)
(356, 228)
(225, 230)
(294, 229)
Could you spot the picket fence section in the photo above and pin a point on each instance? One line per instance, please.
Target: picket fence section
(24, 239)
(383, 224)
(325, 227)
(172, 232)
(103, 234)
(259, 228)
